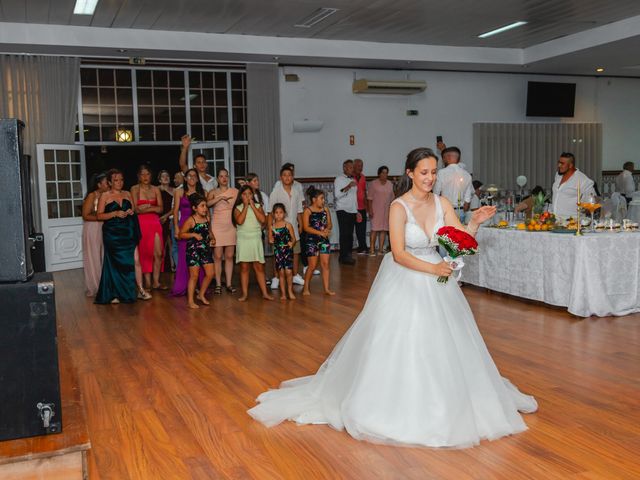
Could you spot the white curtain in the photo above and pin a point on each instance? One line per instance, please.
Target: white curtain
(503, 151)
(42, 91)
(263, 111)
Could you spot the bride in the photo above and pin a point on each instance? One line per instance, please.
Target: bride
(413, 368)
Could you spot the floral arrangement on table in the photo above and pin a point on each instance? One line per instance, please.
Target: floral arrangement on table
(457, 244)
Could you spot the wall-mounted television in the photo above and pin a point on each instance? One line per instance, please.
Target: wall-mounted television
(548, 99)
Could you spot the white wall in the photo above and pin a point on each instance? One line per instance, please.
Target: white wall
(451, 104)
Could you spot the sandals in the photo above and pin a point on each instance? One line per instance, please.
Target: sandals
(231, 289)
(143, 294)
(217, 290)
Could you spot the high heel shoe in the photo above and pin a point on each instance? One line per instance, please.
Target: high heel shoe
(143, 294)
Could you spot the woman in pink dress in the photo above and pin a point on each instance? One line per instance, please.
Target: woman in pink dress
(147, 203)
(92, 235)
(379, 198)
(222, 200)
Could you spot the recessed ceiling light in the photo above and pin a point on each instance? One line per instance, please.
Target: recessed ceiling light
(316, 17)
(85, 7)
(502, 29)
(599, 69)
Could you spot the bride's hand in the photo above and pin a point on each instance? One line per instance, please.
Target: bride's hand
(483, 214)
(442, 269)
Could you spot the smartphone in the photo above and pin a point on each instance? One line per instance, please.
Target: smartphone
(439, 139)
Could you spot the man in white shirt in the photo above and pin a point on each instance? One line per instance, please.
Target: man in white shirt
(345, 191)
(565, 187)
(624, 181)
(476, 203)
(283, 192)
(454, 182)
(199, 163)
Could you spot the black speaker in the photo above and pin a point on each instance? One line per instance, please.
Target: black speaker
(37, 252)
(29, 376)
(15, 246)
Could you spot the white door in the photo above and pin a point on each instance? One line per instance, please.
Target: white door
(217, 155)
(62, 186)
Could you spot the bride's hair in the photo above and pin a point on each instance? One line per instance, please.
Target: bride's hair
(414, 156)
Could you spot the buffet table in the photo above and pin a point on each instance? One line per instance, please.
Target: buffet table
(596, 274)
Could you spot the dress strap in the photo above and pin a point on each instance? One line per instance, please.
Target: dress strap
(410, 216)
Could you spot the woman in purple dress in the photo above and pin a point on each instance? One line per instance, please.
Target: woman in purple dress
(181, 212)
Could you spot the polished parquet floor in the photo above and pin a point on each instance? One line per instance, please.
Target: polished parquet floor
(166, 388)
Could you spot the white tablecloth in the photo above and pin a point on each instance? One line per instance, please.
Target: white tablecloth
(596, 274)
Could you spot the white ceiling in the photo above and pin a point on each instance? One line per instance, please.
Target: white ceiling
(562, 36)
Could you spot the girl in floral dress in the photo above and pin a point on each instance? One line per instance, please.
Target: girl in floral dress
(284, 239)
(197, 232)
(316, 222)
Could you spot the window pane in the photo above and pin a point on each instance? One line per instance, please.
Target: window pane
(221, 98)
(50, 172)
(107, 96)
(223, 132)
(91, 133)
(76, 188)
(207, 98)
(209, 133)
(236, 98)
(145, 114)
(89, 96)
(48, 156)
(240, 169)
(239, 132)
(52, 192)
(143, 78)
(176, 79)
(124, 96)
(197, 132)
(195, 97)
(52, 209)
(178, 115)
(194, 80)
(163, 132)
(177, 131)
(88, 76)
(207, 80)
(159, 78)
(75, 156)
(62, 156)
(222, 115)
(108, 133)
(220, 79)
(238, 115)
(123, 78)
(76, 171)
(177, 97)
(160, 97)
(236, 81)
(64, 190)
(209, 115)
(66, 209)
(161, 115)
(146, 133)
(196, 115)
(144, 96)
(105, 77)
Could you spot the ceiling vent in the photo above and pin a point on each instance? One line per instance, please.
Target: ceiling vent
(392, 87)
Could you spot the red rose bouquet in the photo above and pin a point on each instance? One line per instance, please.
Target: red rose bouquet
(457, 244)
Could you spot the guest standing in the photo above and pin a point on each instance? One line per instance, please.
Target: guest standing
(568, 181)
(196, 230)
(284, 192)
(181, 212)
(346, 202)
(121, 272)
(166, 190)
(526, 205)
(361, 195)
(222, 200)
(316, 221)
(379, 198)
(199, 163)
(249, 218)
(147, 203)
(92, 251)
(284, 238)
(624, 181)
(454, 182)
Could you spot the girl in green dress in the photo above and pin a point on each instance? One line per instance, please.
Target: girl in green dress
(248, 217)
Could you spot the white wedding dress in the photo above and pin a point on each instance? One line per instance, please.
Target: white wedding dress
(412, 369)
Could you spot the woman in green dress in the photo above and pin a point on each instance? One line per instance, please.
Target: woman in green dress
(121, 279)
(248, 217)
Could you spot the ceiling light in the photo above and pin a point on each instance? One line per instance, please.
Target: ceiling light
(85, 7)
(316, 17)
(502, 29)
(599, 69)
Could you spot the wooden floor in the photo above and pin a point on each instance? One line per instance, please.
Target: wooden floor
(166, 388)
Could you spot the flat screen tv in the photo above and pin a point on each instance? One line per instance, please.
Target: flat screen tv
(547, 99)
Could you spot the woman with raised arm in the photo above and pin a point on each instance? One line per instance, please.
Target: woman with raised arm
(413, 368)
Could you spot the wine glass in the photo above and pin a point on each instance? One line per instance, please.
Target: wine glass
(591, 205)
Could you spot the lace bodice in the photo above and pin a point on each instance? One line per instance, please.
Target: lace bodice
(416, 239)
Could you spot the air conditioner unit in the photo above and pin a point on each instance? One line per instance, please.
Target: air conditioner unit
(394, 87)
